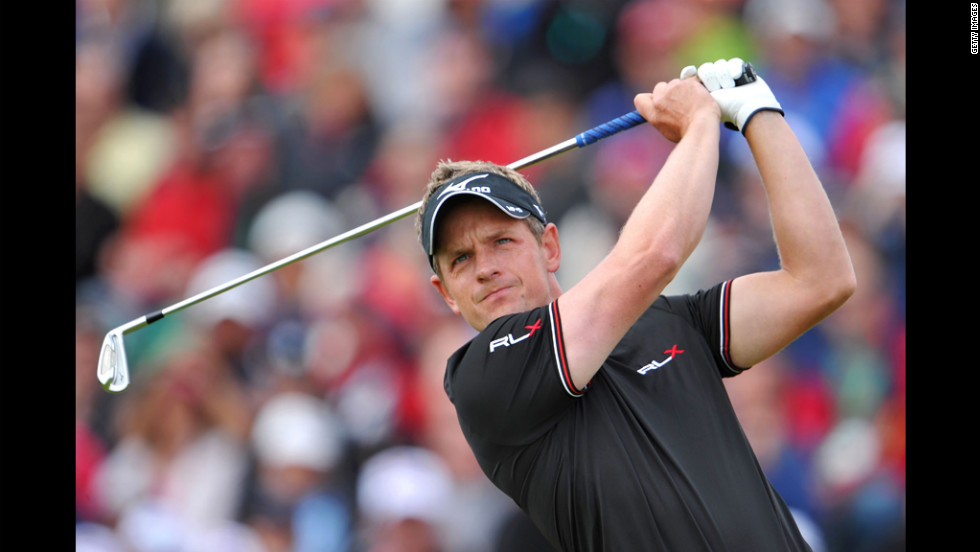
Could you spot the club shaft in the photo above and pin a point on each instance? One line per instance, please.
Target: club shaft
(590, 136)
(553, 151)
(308, 252)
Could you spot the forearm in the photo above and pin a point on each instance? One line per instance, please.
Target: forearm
(808, 237)
(669, 220)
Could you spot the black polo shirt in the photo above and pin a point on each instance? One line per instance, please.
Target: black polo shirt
(648, 456)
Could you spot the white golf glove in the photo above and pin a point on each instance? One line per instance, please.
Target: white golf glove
(739, 91)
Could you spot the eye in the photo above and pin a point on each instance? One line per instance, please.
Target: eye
(460, 258)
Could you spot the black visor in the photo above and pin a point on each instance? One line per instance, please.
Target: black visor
(510, 198)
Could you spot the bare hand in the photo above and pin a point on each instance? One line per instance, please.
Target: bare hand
(674, 105)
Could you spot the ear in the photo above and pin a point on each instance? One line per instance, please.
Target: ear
(444, 292)
(551, 247)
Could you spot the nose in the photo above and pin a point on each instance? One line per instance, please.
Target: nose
(487, 266)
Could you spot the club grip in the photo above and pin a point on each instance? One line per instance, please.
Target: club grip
(634, 118)
(748, 75)
(609, 128)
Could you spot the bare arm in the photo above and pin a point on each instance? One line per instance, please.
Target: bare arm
(664, 228)
(771, 309)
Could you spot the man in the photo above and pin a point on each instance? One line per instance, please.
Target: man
(600, 409)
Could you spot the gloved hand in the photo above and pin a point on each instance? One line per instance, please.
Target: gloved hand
(739, 91)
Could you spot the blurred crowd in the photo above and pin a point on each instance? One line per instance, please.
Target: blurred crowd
(304, 410)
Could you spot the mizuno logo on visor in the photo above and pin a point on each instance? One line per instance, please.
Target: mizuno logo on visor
(462, 186)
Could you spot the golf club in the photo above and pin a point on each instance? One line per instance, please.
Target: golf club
(113, 369)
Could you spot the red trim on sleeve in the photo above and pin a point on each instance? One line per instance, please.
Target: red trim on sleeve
(559, 345)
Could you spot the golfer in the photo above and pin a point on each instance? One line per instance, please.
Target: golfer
(600, 410)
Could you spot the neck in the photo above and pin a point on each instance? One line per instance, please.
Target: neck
(554, 288)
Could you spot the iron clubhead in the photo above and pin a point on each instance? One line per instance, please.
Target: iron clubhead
(113, 369)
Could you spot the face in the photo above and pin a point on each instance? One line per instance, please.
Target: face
(492, 264)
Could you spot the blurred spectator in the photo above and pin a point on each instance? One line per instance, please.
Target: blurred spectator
(404, 495)
(876, 206)
(403, 161)
(647, 36)
(91, 435)
(866, 508)
(309, 59)
(98, 83)
(153, 526)
(234, 322)
(481, 119)
(193, 205)
(442, 433)
(96, 223)
(150, 525)
(127, 155)
(865, 109)
(523, 36)
(293, 502)
(152, 53)
(99, 78)
(129, 75)
(357, 360)
(332, 134)
(93, 537)
(306, 290)
(720, 32)
(862, 28)
(287, 35)
(553, 114)
(189, 208)
(879, 194)
(387, 288)
(181, 442)
(394, 48)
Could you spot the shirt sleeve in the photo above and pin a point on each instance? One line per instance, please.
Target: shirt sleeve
(710, 311)
(511, 382)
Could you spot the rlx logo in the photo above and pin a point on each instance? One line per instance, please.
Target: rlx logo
(654, 364)
(509, 339)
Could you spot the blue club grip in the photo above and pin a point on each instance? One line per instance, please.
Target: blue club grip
(607, 129)
(634, 118)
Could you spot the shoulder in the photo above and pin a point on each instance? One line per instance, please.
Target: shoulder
(707, 301)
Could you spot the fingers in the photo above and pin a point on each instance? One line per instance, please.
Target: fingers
(736, 67)
(715, 75)
(719, 74)
(681, 95)
(644, 104)
(708, 77)
(725, 78)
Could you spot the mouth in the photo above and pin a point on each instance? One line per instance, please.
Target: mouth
(494, 294)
